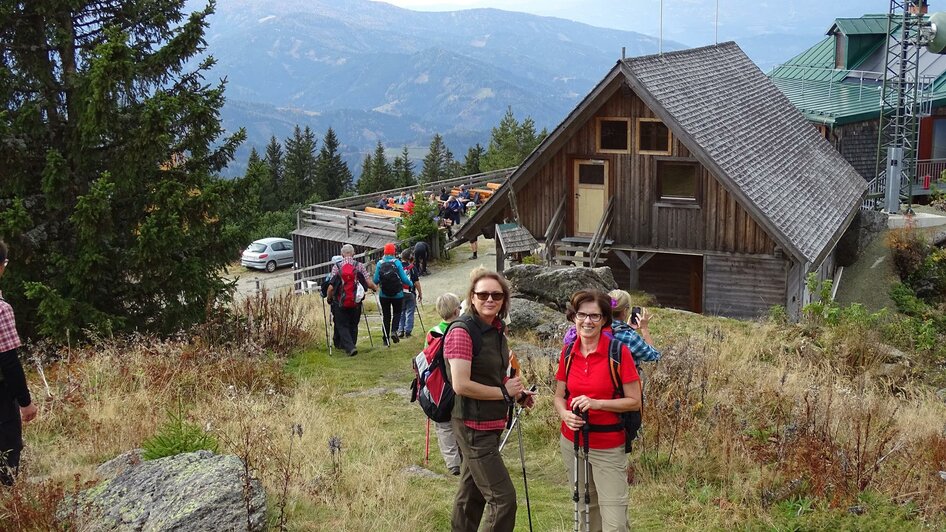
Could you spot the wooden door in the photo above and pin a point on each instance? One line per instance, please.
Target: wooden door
(590, 185)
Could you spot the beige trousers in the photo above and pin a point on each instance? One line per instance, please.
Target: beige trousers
(607, 485)
(448, 444)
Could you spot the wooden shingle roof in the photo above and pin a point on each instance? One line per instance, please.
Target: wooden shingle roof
(725, 110)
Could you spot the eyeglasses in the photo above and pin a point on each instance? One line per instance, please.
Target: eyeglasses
(483, 296)
(595, 318)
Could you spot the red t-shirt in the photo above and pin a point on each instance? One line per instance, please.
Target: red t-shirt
(591, 376)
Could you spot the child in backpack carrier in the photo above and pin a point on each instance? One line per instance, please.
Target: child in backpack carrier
(448, 306)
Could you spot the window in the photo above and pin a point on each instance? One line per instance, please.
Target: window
(276, 246)
(653, 137)
(677, 181)
(591, 174)
(614, 135)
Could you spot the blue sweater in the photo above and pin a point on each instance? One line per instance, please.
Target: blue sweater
(400, 271)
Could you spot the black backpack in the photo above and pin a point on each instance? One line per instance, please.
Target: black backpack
(390, 280)
(630, 421)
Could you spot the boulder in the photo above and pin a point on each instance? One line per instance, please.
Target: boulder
(119, 464)
(556, 285)
(199, 491)
(525, 351)
(526, 315)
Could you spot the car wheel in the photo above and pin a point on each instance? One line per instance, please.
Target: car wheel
(271, 266)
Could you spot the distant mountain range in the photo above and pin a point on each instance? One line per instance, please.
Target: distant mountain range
(374, 72)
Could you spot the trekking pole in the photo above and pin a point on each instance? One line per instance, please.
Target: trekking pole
(522, 459)
(427, 444)
(328, 344)
(420, 317)
(586, 429)
(512, 426)
(365, 316)
(575, 494)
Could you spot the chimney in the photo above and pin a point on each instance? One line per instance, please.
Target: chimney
(919, 7)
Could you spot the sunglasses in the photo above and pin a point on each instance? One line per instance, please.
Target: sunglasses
(496, 296)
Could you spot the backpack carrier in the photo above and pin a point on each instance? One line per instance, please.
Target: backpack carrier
(348, 290)
(431, 387)
(390, 280)
(630, 422)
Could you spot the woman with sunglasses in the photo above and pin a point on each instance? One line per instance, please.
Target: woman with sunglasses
(584, 385)
(477, 356)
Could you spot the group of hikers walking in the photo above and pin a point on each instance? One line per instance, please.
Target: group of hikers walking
(469, 385)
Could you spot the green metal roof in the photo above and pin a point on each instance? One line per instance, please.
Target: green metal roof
(814, 64)
(866, 25)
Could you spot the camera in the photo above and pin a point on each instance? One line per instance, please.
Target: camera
(635, 315)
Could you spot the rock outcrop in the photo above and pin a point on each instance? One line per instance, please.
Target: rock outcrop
(555, 286)
(199, 491)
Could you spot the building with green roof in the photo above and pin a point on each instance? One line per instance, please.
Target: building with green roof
(837, 83)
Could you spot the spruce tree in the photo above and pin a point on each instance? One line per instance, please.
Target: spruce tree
(381, 170)
(471, 164)
(435, 161)
(403, 168)
(269, 192)
(331, 169)
(510, 142)
(299, 184)
(366, 183)
(111, 145)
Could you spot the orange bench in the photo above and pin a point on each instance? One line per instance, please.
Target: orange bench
(383, 212)
(493, 186)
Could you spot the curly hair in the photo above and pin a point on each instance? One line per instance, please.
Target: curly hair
(598, 297)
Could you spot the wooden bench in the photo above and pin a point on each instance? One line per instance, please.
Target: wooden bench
(493, 186)
(483, 192)
(383, 212)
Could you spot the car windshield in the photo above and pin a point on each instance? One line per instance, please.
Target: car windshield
(256, 247)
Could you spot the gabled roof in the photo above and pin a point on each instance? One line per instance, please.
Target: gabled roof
(732, 118)
(866, 25)
(828, 95)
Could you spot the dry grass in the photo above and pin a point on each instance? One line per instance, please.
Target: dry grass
(747, 425)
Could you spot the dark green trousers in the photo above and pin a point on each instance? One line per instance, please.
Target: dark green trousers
(484, 481)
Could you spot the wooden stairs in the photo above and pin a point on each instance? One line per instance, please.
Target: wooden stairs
(573, 251)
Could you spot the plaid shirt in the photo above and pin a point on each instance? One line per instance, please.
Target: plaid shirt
(640, 350)
(459, 346)
(8, 338)
(359, 267)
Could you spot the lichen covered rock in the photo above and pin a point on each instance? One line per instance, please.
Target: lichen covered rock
(556, 285)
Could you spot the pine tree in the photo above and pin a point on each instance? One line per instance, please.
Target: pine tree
(111, 145)
(299, 185)
(403, 168)
(331, 169)
(510, 142)
(435, 161)
(381, 170)
(366, 183)
(270, 199)
(451, 167)
(471, 164)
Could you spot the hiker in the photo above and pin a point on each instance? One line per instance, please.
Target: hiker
(463, 197)
(421, 254)
(584, 382)
(477, 357)
(448, 307)
(634, 333)
(444, 195)
(453, 209)
(16, 406)
(342, 294)
(402, 199)
(409, 206)
(324, 290)
(412, 295)
(474, 245)
(390, 276)
(382, 203)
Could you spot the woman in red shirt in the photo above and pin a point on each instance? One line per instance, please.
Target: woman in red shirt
(588, 387)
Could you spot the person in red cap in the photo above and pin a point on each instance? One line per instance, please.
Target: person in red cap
(391, 279)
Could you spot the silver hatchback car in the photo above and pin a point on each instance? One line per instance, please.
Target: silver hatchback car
(268, 254)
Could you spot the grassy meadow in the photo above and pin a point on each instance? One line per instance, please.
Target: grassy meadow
(748, 425)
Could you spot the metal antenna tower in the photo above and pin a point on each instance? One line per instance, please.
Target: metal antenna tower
(905, 98)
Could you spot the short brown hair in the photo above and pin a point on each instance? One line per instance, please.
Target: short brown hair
(477, 275)
(581, 297)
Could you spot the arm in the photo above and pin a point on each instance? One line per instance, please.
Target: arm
(631, 400)
(404, 278)
(15, 380)
(420, 293)
(641, 348)
(458, 352)
(568, 417)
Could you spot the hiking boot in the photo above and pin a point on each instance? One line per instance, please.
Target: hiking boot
(455, 471)
(395, 339)
(406, 335)
(353, 352)
(399, 334)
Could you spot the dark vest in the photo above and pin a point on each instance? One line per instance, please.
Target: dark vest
(488, 368)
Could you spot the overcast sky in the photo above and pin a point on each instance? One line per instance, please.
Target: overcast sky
(688, 21)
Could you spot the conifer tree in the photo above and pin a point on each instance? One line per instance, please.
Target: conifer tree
(471, 164)
(381, 170)
(331, 169)
(451, 167)
(434, 168)
(111, 145)
(366, 183)
(299, 185)
(510, 142)
(270, 199)
(403, 168)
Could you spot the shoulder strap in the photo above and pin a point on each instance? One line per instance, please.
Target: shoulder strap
(465, 322)
(614, 361)
(568, 364)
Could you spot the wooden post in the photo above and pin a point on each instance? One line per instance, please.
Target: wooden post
(500, 254)
(634, 280)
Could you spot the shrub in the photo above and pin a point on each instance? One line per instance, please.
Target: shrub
(420, 224)
(909, 249)
(178, 436)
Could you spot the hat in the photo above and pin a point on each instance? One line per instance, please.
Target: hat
(390, 249)
(337, 258)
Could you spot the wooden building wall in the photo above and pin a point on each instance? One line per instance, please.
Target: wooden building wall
(743, 286)
(715, 223)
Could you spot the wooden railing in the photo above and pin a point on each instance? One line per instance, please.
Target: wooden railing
(308, 279)
(474, 180)
(348, 220)
(601, 233)
(554, 231)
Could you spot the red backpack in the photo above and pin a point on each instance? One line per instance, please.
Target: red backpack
(347, 285)
(431, 386)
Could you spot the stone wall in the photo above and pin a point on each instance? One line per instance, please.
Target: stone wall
(863, 229)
